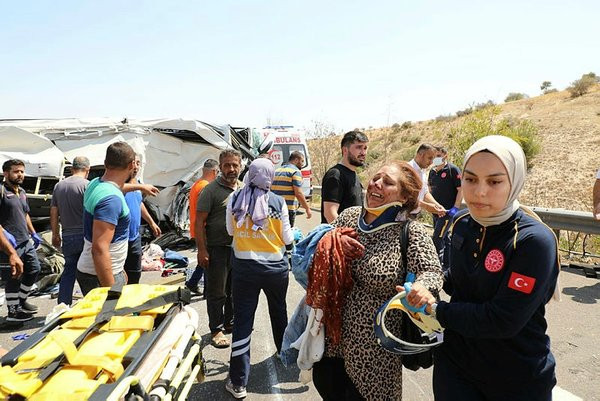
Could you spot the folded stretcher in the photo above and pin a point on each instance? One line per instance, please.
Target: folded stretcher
(133, 342)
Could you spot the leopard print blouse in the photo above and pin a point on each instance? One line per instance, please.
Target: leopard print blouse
(377, 373)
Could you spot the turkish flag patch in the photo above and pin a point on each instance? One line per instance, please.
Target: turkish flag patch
(522, 283)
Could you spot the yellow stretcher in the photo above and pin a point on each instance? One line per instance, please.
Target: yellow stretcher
(133, 342)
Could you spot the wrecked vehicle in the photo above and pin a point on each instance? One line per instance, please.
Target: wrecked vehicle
(172, 152)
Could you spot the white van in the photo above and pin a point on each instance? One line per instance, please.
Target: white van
(287, 139)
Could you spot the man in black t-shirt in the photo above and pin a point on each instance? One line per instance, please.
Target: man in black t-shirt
(445, 187)
(341, 187)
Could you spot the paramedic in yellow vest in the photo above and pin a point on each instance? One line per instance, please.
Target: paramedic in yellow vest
(259, 223)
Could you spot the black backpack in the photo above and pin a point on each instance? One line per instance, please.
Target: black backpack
(409, 331)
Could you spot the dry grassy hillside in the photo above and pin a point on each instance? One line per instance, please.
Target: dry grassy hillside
(563, 172)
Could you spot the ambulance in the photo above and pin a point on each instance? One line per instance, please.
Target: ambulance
(281, 141)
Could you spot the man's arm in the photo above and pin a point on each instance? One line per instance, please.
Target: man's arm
(431, 205)
(153, 226)
(56, 241)
(29, 224)
(300, 196)
(16, 265)
(102, 235)
(200, 229)
(330, 211)
(597, 199)
(146, 189)
(458, 200)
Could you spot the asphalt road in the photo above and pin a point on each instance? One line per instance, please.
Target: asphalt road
(574, 327)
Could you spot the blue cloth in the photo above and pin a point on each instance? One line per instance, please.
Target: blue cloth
(134, 202)
(176, 257)
(304, 251)
(10, 238)
(301, 262)
(293, 331)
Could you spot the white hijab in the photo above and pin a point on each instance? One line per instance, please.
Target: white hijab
(513, 158)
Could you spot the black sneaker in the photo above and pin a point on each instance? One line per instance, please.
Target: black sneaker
(18, 316)
(28, 307)
(194, 288)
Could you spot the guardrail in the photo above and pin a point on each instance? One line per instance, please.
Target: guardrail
(556, 219)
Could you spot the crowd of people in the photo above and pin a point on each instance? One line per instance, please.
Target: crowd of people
(497, 262)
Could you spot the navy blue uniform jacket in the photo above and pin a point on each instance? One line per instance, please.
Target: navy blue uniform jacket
(500, 279)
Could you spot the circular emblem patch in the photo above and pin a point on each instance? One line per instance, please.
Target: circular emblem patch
(444, 174)
(494, 261)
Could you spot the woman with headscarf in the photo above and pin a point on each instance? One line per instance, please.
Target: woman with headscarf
(503, 270)
(258, 221)
(357, 367)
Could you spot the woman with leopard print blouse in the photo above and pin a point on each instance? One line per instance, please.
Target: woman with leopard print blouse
(359, 368)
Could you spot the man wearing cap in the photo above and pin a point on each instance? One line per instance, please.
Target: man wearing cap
(67, 208)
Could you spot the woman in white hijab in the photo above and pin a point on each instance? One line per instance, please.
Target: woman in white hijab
(503, 270)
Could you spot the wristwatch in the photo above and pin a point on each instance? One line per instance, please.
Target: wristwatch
(434, 309)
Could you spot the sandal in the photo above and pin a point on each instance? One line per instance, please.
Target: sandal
(220, 341)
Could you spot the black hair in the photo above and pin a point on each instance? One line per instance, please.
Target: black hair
(352, 137)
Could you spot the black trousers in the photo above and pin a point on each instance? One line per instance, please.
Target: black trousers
(449, 384)
(332, 382)
(218, 289)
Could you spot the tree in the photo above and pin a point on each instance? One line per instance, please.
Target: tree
(582, 86)
(483, 122)
(545, 86)
(323, 146)
(512, 96)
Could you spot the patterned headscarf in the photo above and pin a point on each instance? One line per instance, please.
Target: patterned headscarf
(253, 199)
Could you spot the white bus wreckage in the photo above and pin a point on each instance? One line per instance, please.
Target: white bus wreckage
(172, 153)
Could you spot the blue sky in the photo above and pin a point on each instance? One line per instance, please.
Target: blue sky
(347, 63)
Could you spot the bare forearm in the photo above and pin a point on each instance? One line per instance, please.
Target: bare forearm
(146, 215)
(302, 201)
(54, 221)
(200, 236)
(458, 200)
(29, 224)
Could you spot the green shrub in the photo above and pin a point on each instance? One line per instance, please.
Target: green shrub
(483, 105)
(512, 96)
(406, 125)
(482, 123)
(545, 86)
(583, 84)
(408, 153)
(464, 112)
(444, 118)
(552, 90)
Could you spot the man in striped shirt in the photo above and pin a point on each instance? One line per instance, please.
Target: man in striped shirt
(288, 184)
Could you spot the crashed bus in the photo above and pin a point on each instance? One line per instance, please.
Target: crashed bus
(172, 152)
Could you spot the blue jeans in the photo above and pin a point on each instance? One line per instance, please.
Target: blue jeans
(72, 246)
(196, 276)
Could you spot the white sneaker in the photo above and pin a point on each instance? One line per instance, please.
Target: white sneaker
(236, 391)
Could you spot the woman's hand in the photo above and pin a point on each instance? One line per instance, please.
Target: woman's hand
(351, 247)
(418, 296)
